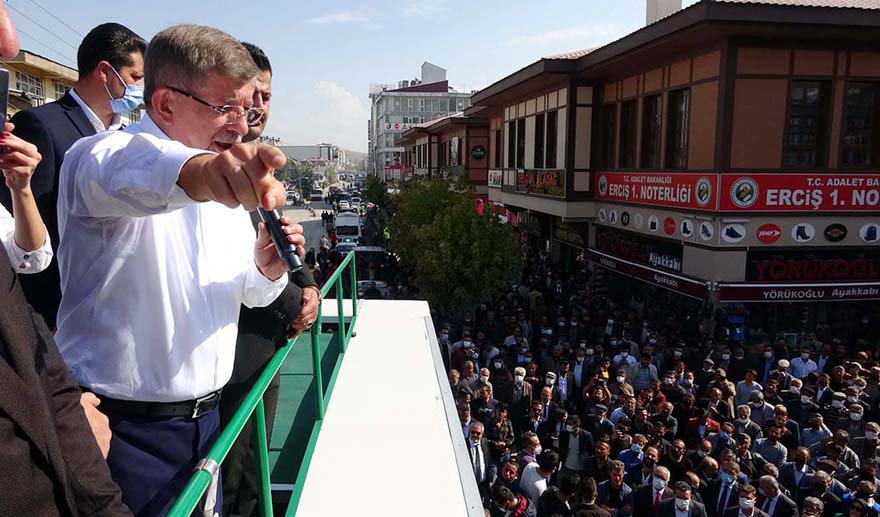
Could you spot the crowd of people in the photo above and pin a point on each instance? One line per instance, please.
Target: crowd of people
(141, 302)
(574, 402)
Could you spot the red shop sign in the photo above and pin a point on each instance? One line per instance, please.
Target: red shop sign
(800, 192)
(677, 283)
(694, 191)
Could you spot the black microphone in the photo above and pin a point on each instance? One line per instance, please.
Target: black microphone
(285, 249)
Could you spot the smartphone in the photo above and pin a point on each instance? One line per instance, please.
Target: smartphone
(4, 92)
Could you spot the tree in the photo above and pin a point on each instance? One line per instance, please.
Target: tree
(455, 256)
(331, 175)
(376, 191)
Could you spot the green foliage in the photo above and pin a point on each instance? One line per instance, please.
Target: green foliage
(331, 175)
(455, 256)
(376, 191)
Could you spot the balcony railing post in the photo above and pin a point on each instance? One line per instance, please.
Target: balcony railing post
(261, 450)
(354, 286)
(316, 366)
(340, 294)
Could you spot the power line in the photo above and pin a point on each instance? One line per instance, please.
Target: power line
(38, 24)
(48, 47)
(62, 22)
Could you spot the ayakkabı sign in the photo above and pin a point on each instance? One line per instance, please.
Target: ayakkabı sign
(678, 283)
(813, 266)
(798, 293)
(652, 252)
(572, 234)
(693, 191)
(800, 192)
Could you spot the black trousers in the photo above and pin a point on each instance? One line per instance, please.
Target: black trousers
(241, 478)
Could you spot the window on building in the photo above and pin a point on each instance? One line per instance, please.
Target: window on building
(652, 112)
(461, 104)
(628, 120)
(497, 154)
(677, 127)
(421, 104)
(60, 89)
(397, 106)
(28, 84)
(511, 144)
(135, 116)
(861, 139)
(452, 104)
(806, 134)
(409, 104)
(539, 141)
(520, 143)
(609, 132)
(550, 149)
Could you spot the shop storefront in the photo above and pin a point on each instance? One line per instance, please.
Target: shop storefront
(569, 242)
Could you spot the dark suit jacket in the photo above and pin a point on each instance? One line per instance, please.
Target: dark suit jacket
(53, 128)
(711, 494)
(585, 444)
(667, 509)
(644, 500)
(785, 507)
(50, 463)
(484, 446)
(788, 480)
(734, 512)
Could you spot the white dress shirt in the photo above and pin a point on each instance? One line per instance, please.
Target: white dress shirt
(152, 281)
(23, 261)
(96, 121)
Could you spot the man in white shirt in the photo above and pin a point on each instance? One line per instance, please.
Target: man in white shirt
(154, 268)
(534, 478)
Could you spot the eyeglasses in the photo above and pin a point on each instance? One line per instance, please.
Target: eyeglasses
(232, 113)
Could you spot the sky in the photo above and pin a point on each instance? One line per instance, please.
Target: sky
(325, 54)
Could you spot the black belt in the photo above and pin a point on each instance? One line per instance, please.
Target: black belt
(188, 408)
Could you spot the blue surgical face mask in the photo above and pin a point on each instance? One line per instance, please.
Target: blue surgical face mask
(130, 100)
(726, 478)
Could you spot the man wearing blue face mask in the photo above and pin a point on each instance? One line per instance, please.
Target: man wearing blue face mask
(110, 63)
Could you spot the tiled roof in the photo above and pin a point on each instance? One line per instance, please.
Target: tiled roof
(574, 54)
(841, 4)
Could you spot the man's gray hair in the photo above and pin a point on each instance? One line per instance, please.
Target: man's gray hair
(661, 470)
(185, 55)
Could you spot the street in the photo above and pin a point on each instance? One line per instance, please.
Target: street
(312, 229)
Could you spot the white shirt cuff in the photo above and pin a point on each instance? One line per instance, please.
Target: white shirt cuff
(172, 160)
(259, 291)
(29, 262)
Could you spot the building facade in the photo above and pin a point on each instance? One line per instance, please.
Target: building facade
(727, 153)
(393, 110)
(35, 80)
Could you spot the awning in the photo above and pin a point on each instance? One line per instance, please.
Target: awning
(687, 286)
(798, 292)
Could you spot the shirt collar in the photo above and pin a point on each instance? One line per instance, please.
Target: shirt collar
(96, 121)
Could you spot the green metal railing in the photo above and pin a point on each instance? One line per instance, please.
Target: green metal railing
(252, 407)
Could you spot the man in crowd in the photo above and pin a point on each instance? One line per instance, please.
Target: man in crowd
(51, 463)
(110, 64)
(145, 207)
(261, 330)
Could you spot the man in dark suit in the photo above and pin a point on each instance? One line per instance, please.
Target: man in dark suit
(796, 475)
(261, 330)
(648, 497)
(51, 463)
(723, 493)
(109, 59)
(773, 502)
(746, 506)
(681, 502)
(585, 444)
(478, 451)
